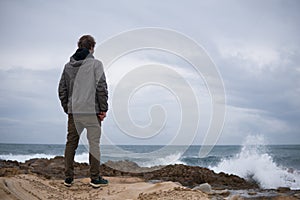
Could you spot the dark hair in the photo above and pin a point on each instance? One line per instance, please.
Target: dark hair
(86, 41)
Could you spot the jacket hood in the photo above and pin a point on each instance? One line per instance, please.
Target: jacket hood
(79, 56)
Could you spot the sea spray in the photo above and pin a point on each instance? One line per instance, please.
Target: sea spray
(254, 162)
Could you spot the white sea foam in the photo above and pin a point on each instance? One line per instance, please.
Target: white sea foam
(254, 162)
(82, 158)
(167, 160)
(22, 158)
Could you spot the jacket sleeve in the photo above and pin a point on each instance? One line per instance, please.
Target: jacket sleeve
(63, 92)
(101, 88)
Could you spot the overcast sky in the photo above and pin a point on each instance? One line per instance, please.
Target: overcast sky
(254, 44)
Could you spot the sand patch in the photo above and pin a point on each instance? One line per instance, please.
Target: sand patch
(120, 188)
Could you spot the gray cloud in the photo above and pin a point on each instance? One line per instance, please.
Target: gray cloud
(30, 111)
(255, 45)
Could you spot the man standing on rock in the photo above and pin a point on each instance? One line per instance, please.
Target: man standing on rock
(83, 95)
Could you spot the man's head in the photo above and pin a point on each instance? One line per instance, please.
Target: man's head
(86, 41)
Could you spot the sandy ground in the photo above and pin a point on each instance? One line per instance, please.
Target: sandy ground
(32, 187)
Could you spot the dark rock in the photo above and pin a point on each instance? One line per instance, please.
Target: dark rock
(283, 189)
(190, 176)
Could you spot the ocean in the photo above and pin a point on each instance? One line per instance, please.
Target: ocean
(271, 166)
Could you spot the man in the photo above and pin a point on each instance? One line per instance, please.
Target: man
(83, 95)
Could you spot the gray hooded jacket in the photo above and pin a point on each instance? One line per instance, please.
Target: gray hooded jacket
(82, 87)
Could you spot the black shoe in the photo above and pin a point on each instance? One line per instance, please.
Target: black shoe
(98, 182)
(68, 182)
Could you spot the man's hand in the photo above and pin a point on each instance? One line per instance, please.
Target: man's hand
(102, 115)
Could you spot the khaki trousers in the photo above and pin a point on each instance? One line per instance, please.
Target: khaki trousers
(76, 124)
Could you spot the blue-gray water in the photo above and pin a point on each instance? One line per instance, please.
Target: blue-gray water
(281, 162)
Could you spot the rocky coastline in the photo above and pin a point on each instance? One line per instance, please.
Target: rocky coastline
(217, 186)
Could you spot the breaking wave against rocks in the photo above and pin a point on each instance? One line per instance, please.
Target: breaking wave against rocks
(255, 163)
